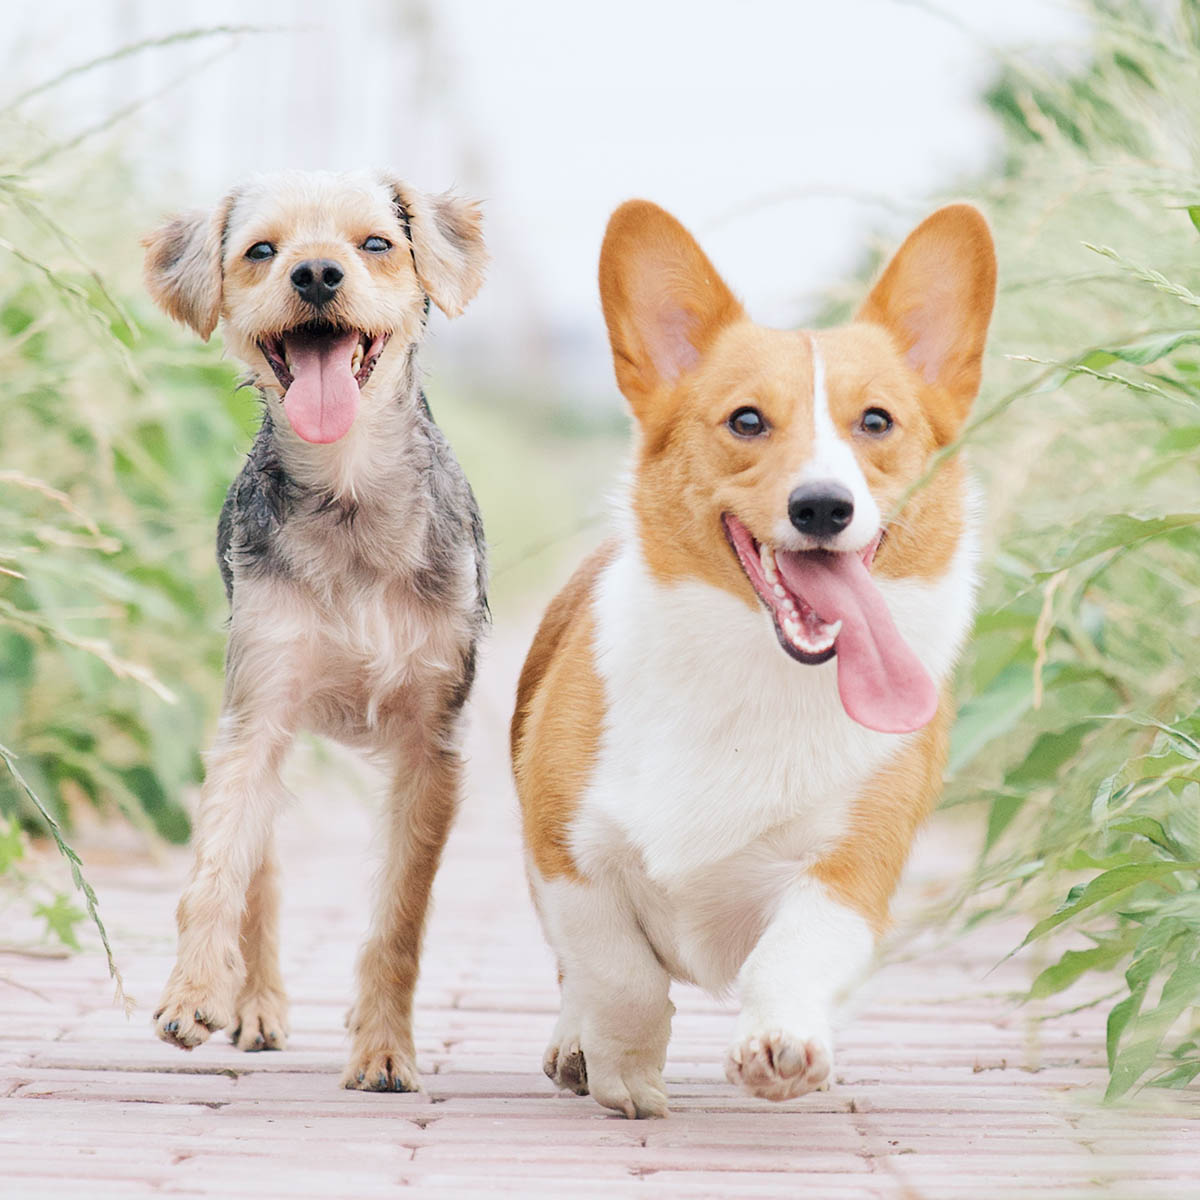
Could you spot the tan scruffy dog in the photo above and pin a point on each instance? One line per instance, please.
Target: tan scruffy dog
(352, 552)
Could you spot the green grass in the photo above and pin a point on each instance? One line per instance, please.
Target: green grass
(1079, 733)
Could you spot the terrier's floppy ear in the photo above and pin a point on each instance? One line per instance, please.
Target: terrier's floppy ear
(935, 298)
(664, 302)
(183, 270)
(447, 244)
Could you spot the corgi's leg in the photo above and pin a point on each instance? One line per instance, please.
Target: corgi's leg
(612, 1034)
(809, 954)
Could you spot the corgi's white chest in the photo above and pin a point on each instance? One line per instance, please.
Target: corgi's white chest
(713, 736)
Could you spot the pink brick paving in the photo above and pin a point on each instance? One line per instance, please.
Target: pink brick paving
(944, 1088)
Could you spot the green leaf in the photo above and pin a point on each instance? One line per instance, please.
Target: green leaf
(61, 918)
(1046, 757)
(1181, 990)
(991, 714)
(1152, 831)
(1110, 883)
(1140, 353)
(1184, 820)
(1075, 963)
(1120, 531)
(1000, 815)
(1193, 212)
(12, 844)
(1185, 437)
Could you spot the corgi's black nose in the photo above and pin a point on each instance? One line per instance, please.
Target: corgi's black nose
(821, 510)
(317, 279)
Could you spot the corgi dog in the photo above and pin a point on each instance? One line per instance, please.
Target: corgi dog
(735, 715)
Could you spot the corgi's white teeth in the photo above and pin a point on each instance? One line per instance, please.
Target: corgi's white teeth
(766, 556)
(791, 628)
(832, 631)
(781, 591)
(356, 359)
(789, 604)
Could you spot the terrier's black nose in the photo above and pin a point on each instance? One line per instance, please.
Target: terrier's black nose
(821, 510)
(317, 280)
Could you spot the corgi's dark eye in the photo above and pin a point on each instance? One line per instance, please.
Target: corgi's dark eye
(875, 421)
(376, 245)
(747, 422)
(260, 252)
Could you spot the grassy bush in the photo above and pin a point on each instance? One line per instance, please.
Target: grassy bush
(113, 452)
(1079, 724)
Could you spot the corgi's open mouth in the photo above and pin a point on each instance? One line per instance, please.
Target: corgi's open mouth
(825, 603)
(321, 369)
(802, 632)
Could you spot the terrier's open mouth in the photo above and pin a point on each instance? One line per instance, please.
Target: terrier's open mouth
(321, 369)
(803, 632)
(278, 349)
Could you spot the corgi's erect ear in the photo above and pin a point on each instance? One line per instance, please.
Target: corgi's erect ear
(664, 302)
(935, 298)
(447, 244)
(183, 270)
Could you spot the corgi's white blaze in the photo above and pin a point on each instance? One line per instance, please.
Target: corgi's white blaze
(833, 458)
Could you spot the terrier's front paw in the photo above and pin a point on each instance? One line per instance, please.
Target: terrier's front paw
(779, 1066)
(189, 1013)
(261, 1021)
(565, 1065)
(378, 1068)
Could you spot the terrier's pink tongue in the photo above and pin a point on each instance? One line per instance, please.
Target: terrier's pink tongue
(882, 683)
(323, 397)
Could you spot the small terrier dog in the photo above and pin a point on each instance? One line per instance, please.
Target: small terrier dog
(353, 557)
(734, 717)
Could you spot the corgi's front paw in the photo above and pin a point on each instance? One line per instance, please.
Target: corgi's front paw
(775, 1065)
(628, 1082)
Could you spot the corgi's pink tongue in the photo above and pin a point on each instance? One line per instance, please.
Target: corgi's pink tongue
(881, 681)
(323, 397)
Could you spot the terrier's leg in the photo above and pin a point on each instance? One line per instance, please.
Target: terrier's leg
(260, 1021)
(421, 807)
(241, 795)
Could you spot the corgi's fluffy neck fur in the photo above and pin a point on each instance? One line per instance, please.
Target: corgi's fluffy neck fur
(735, 716)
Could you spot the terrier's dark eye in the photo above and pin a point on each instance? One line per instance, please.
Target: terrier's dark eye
(376, 245)
(260, 252)
(747, 422)
(875, 421)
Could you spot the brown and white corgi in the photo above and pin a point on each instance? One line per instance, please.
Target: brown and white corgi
(734, 716)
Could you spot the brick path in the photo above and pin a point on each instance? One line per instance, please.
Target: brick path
(944, 1089)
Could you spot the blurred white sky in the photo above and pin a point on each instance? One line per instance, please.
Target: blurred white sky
(783, 133)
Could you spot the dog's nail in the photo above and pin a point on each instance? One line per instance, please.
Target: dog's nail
(382, 1082)
(259, 1043)
(171, 1027)
(361, 1076)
